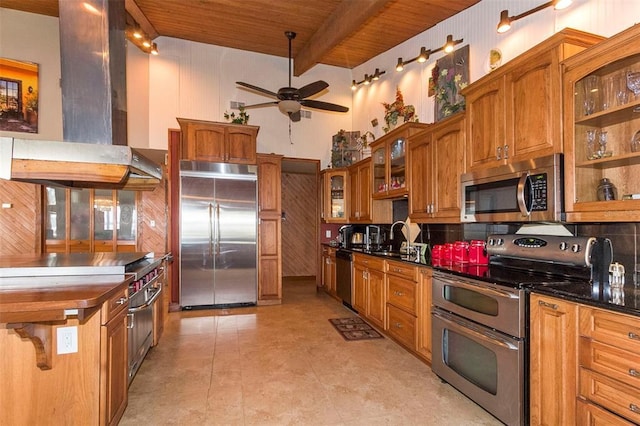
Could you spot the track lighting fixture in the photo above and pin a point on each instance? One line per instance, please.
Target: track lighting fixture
(368, 79)
(137, 36)
(505, 20)
(426, 53)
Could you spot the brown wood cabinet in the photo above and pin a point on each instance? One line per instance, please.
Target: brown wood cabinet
(362, 208)
(218, 142)
(329, 270)
(424, 298)
(553, 360)
(88, 386)
(269, 229)
(402, 303)
(369, 297)
(335, 196)
(436, 161)
(389, 161)
(514, 113)
(609, 358)
(616, 117)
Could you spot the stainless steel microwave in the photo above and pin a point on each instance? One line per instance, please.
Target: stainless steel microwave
(526, 191)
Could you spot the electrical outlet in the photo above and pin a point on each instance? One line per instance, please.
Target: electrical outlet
(327, 233)
(152, 223)
(67, 339)
(236, 105)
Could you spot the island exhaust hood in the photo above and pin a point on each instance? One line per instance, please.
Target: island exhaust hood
(94, 153)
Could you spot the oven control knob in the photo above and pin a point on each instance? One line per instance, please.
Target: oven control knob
(500, 241)
(492, 242)
(575, 248)
(564, 245)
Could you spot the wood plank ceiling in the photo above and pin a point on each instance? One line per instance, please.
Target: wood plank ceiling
(343, 33)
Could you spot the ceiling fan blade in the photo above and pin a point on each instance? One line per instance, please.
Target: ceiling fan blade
(261, 105)
(295, 116)
(312, 88)
(323, 105)
(257, 89)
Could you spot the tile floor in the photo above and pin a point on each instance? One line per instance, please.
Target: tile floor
(286, 365)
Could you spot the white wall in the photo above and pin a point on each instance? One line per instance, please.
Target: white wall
(197, 81)
(477, 26)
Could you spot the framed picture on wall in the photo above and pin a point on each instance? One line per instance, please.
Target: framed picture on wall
(18, 96)
(449, 76)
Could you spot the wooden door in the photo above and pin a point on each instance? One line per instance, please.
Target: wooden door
(376, 302)
(553, 361)
(423, 294)
(447, 164)
(419, 174)
(203, 142)
(359, 297)
(364, 188)
(533, 108)
(485, 125)
(241, 144)
(113, 398)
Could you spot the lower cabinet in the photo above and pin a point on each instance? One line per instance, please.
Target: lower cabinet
(424, 298)
(329, 270)
(553, 363)
(368, 281)
(113, 382)
(609, 359)
(402, 303)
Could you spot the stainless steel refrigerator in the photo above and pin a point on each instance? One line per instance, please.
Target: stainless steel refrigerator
(218, 233)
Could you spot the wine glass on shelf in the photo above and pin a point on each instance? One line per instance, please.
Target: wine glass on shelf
(622, 92)
(602, 149)
(592, 153)
(633, 83)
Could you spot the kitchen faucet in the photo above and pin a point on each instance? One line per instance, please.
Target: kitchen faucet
(408, 234)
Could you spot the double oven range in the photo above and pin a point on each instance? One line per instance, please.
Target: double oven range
(480, 314)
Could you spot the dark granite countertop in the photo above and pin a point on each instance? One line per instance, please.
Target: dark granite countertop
(626, 301)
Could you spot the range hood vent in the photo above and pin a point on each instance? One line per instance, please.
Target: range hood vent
(94, 153)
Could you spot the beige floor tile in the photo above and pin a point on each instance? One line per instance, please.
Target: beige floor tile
(286, 365)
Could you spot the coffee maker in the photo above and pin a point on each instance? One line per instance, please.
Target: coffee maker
(344, 236)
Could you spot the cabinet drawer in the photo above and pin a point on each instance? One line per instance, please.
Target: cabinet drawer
(402, 326)
(614, 328)
(614, 396)
(402, 270)
(370, 262)
(611, 361)
(402, 293)
(115, 304)
(592, 415)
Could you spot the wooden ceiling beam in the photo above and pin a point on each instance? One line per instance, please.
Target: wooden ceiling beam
(345, 21)
(135, 12)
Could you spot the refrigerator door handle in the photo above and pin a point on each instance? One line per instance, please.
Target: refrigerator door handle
(211, 230)
(218, 229)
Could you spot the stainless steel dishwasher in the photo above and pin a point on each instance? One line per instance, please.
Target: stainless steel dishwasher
(343, 276)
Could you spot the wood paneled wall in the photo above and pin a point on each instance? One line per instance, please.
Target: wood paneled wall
(20, 224)
(299, 228)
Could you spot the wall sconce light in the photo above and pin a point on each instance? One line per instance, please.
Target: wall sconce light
(426, 53)
(505, 20)
(368, 79)
(137, 36)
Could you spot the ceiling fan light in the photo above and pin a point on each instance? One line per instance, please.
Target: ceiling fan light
(288, 106)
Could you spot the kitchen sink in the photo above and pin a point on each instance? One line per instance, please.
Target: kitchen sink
(387, 253)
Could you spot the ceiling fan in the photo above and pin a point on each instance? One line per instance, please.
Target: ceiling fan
(291, 99)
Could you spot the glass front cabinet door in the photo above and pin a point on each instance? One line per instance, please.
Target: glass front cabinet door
(602, 130)
(335, 196)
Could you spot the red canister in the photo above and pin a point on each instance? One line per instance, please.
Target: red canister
(461, 252)
(447, 252)
(478, 253)
(436, 252)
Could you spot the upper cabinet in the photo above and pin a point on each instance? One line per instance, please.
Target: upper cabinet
(436, 161)
(389, 161)
(218, 142)
(514, 113)
(362, 208)
(334, 198)
(602, 130)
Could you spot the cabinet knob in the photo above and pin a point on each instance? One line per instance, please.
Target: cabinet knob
(499, 153)
(506, 152)
(633, 372)
(634, 336)
(397, 325)
(634, 408)
(122, 301)
(549, 305)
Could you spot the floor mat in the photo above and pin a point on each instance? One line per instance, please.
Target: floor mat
(354, 328)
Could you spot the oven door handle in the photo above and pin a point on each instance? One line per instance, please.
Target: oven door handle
(148, 303)
(463, 328)
(521, 194)
(460, 282)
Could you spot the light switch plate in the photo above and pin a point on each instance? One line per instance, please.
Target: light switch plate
(327, 233)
